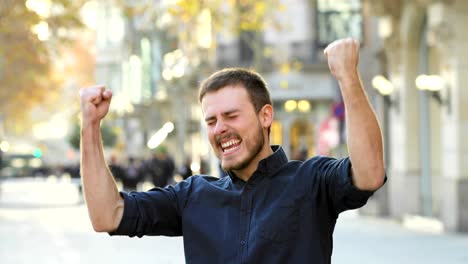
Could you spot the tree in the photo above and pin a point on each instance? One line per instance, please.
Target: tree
(244, 18)
(109, 136)
(29, 41)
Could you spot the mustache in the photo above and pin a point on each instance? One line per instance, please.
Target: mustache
(220, 138)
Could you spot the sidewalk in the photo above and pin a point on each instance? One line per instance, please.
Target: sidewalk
(363, 239)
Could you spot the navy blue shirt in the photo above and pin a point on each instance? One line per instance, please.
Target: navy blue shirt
(285, 213)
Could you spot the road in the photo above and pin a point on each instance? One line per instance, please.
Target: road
(45, 221)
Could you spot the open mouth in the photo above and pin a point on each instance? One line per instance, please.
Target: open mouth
(230, 146)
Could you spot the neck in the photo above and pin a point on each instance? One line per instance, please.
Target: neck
(247, 172)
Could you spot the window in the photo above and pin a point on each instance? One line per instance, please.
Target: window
(338, 19)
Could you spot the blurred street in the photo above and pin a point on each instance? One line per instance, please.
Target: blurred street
(44, 221)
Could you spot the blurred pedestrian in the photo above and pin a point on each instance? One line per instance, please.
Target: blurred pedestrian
(161, 167)
(116, 168)
(1, 163)
(204, 166)
(1, 168)
(269, 209)
(299, 154)
(73, 170)
(132, 175)
(185, 169)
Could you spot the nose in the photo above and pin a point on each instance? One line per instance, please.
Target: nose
(220, 127)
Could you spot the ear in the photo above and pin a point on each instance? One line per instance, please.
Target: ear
(266, 115)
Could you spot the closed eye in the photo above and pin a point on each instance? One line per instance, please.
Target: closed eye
(229, 115)
(210, 122)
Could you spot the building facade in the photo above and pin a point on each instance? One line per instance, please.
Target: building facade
(427, 154)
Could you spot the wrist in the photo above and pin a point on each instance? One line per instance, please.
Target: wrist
(90, 125)
(349, 79)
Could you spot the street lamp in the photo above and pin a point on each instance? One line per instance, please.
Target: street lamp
(434, 84)
(301, 106)
(290, 105)
(4, 146)
(385, 88)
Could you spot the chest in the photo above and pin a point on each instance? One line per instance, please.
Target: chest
(271, 210)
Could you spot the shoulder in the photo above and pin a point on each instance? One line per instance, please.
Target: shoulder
(322, 167)
(202, 179)
(313, 163)
(324, 162)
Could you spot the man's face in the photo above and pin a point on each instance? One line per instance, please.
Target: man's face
(236, 133)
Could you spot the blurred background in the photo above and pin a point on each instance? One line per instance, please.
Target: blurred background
(153, 54)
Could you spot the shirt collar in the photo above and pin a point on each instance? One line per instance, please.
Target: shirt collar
(271, 164)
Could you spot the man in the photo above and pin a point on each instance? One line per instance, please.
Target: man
(268, 210)
(161, 167)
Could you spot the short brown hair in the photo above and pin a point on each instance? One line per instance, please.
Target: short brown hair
(254, 84)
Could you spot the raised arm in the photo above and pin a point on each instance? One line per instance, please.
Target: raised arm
(105, 206)
(363, 132)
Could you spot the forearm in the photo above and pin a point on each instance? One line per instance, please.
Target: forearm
(105, 206)
(364, 136)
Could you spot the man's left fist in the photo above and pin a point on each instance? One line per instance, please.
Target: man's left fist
(343, 57)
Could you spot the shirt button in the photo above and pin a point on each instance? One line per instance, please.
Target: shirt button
(242, 242)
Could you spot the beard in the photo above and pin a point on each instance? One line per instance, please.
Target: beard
(258, 141)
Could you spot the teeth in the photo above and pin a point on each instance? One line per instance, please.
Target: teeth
(229, 143)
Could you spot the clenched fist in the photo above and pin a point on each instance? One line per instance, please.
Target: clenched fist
(95, 101)
(343, 58)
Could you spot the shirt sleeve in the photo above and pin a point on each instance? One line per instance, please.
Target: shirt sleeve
(334, 176)
(155, 212)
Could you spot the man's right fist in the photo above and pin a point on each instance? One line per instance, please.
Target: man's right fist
(95, 101)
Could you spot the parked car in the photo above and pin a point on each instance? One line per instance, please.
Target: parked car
(22, 165)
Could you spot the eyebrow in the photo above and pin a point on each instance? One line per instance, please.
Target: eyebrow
(226, 113)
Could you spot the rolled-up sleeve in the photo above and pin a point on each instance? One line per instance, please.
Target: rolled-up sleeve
(155, 212)
(347, 195)
(334, 176)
